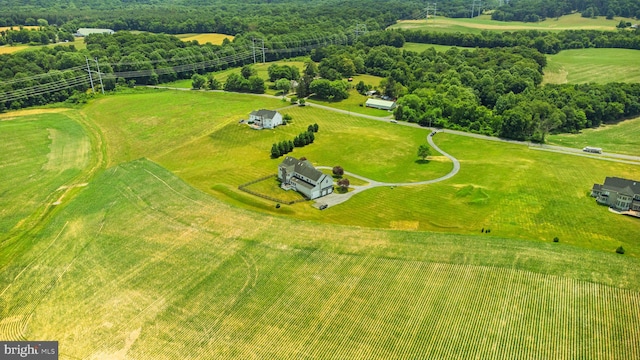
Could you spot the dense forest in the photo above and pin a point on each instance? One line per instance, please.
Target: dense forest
(538, 10)
(491, 91)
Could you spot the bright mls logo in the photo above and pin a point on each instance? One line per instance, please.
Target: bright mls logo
(37, 350)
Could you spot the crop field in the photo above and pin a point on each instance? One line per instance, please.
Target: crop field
(514, 191)
(593, 65)
(213, 38)
(41, 154)
(623, 137)
(158, 255)
(484, 22)
(148, 267)
(6, 49)
(418, 47)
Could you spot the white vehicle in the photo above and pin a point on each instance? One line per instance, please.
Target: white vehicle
(590, 149)
(394, 121)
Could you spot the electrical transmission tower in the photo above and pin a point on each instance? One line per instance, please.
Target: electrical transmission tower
(476, 4)
(361, 29)
(431, 9)
(253, 47)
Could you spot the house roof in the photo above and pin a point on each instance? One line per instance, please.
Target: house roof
(300, 182)
(379, 102)
(304, 168)
(88, 31)
(265, 114)
(597, 187)
(624, 186)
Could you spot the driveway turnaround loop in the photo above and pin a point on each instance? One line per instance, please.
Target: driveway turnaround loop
(335, 198)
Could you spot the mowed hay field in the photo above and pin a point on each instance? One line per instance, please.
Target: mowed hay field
(141, 265)
(512, 190)
(484, 22)
(213, 38)
(623, 137)
(41, 156)
(578, 66)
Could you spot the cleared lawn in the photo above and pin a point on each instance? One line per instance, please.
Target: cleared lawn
(484, 22)
(224, 74)
(141, 265)
(213, 38)
(418, 47)
(6, 49)
(514, 191)
(623, 137)
(593, 65)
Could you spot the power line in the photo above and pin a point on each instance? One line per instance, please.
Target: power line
(85, 79)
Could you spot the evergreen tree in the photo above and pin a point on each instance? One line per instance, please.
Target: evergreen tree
(275, 152)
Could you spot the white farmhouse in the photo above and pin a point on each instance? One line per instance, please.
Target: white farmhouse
(265, 119)
(301, 176)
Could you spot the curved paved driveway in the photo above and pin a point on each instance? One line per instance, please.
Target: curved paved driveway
(335, 198)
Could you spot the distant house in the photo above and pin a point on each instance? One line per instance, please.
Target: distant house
(381, 104)
(88, 31)
(266, 119)
(618, 193)
(301, 176)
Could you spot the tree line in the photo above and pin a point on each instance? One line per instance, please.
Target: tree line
(538, 10)
(546, 42)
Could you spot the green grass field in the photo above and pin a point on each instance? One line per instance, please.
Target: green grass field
(42, 154)
(418, 47)
(484, 22)
(160, 256)
(623, 137)
(150, 268)
(593, 65)
(213, 38)
(517, 192)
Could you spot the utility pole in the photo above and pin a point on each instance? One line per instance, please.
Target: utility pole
(253, 48)
(431, 8)
(90, 77)
(99, 75)
(361, 29)
(475, 3)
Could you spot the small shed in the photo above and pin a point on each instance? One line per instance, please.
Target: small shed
(381, 104)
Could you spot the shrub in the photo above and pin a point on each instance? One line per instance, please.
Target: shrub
(620, 250)
(555, 239)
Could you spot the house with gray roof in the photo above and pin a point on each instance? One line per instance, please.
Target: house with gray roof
(301, 176)
(380, 104)
(265, 119)
(618, 193)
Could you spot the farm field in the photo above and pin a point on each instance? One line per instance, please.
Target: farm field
(148, 267)
(623, 138)
(578, 66)
(418, 47)
(6, 49)
(484, 22)
(516, 192)
(213, 38)
(41, 155)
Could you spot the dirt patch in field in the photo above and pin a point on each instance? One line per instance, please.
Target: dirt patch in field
(404, 225)
(19, 113)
